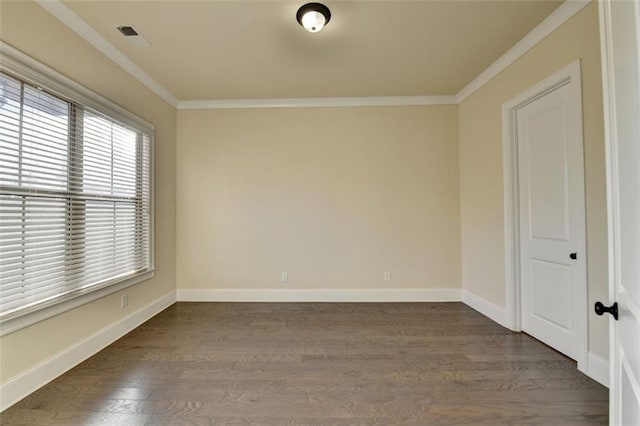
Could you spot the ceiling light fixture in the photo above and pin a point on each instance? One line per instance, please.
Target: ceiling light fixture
(313, 16)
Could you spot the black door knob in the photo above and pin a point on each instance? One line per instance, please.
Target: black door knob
(613, 309)
(573, 256)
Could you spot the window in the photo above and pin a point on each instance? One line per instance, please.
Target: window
(75, 196)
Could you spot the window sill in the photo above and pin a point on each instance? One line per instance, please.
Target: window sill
(11, 325)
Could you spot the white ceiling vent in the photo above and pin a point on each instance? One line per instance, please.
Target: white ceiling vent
(133, 36)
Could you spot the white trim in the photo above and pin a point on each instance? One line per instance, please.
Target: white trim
(551, 23)
(320, 295)
(317, 102)
(31, 380)
(511, 221)
(486, 308)
(44, 312)
(570, 74)
(612, 175)
(30, 68)
(556, 19)
(598, 369)
(93, 37)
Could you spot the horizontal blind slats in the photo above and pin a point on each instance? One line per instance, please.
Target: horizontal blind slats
(75, 198)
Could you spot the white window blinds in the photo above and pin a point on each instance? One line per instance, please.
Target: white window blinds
(75, 197)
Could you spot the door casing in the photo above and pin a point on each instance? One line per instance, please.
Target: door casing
(569, 75)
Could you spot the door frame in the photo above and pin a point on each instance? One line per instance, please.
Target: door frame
(614, 249)
(569, 75)
(612, 173)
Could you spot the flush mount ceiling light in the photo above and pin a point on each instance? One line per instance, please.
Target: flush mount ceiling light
(313, 16)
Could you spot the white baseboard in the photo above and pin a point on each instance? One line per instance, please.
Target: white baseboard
(320, 295)
(486, 308)
(31, 380)
(598, 369)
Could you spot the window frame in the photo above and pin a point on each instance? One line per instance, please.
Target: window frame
(33, 72)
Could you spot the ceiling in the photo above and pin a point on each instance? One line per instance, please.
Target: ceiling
(207, 50)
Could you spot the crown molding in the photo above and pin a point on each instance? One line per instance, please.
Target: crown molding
(88, 33)
(317, 102)
(562, 14)
(38, 73)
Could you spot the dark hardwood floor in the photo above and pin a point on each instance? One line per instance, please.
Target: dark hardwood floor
(319, 364)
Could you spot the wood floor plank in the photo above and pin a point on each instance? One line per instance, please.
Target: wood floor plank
(319, 364)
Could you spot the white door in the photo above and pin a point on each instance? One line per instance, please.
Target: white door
(620, 26)
(552, 218)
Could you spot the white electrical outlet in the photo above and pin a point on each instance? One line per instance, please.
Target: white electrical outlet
(124, 300)
(387, 276)
(284, 277)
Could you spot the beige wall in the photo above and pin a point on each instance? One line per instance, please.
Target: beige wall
(27, 27)
(481, 177)
(333, 196)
